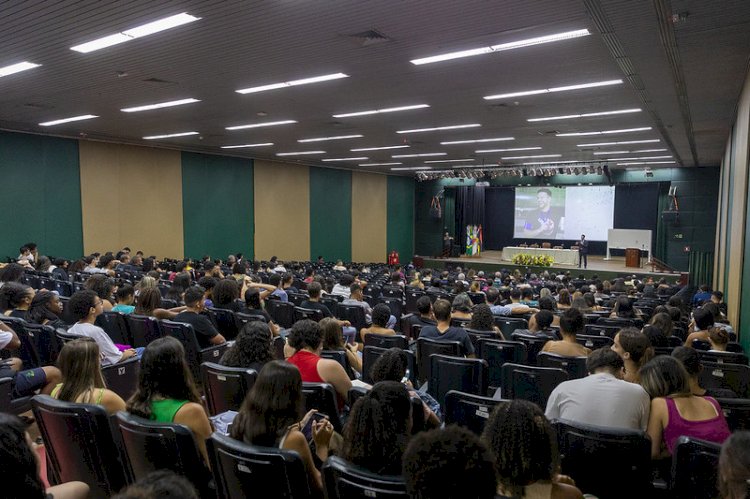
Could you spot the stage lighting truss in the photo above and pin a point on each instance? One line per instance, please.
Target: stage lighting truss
(541, 170)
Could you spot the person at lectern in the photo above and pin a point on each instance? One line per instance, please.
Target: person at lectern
(447, 244)
(583, 251)
(546, 220)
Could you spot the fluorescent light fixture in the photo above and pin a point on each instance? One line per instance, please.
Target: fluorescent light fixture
(649, 150)
(484, 151)
(258, 125)
(620, 143)
(68, 120)
(240, 146)
(567, 35)
(160, 105)
(534, 156)
(410, 168)
(170, 135)
(476, 141)
(292, 83)
(347, 159)
(384, 110)
(381, 164)
(639, 158)
(423, 155)
(586, 115)
(434, 129)
(604, 132)
(337, 137)
(363, 149)
(299, 153)
(137, 32)
(554, 162)
(604, 153)
(567, 88)
(647, 163)
(450, 161)
(17, 68)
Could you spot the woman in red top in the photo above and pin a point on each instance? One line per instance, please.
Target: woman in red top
(304, 344)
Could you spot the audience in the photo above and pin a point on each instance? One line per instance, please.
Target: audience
(195, 304)
(15, 300)
(225, 294)
(718, 338)
(251, 348)
(482, 320)
(691, 361)
(702, 321)
(571, 324)
(104, 287)
(444, 331)
(125, 298)
(148, 303)
(635, 349)
(161, 484)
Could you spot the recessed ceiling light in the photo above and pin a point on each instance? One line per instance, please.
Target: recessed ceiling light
(17, 68)
(450, 161)
(360, 158)
(434, 129)
(381, 164)
(483, 151)
(409, 168)
(554, 89)
(620, 143)
(646, 163)
(292, 83)
(337, 137)
(170, 135)
(604, 132)
(532, 157)
(299, 153)
(240, 146)
(160, 105)
(384, 110)
(567, 35)
(68, 120)
(137, 32)
(476, 141)
(258, 125)
(586, 115)
(639, 158)
(423, 155)
(363, 149)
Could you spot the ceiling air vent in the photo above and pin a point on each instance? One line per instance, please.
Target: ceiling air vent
(547, 132)
(159, 81)
(369, 37)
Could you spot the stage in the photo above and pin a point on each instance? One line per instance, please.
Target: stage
(491, 261)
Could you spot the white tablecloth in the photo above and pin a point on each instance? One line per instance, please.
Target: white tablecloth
(560, 256)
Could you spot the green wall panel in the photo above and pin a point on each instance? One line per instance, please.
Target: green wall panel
(400, 234)
(41, 201)
(331, 214)
(217, 204)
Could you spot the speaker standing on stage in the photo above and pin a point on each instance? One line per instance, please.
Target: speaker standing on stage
(447, 245)
(583, 251)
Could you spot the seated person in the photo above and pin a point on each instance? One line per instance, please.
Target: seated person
(718, 338)
(25, 381)
(254, 306)
(343, 287)
(46, 308)
(635, 349)
(444, 331)
(125, 299)
(482, 320)
(602, 398)
(333, 339)
(691, 361)
(461, 307)
(314, 291)
(251, 348)
(82, 379)
(15, 299)
(525, 452)
(571, 323)
(702, 321)
(148, 304)
(195, 304)
(424, 315)
(450, 463)
(275, 281)
(381, 315)
(225, 295)
(541, 322)
(356, 298)
(675, 411)
(734, 466)
(85, 306)
(304, 344)
(104, 287)
(655, 336)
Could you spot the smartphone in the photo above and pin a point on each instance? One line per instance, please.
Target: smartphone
(307, 430)
(406, 377)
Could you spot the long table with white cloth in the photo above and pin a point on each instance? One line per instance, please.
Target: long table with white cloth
(560, 256)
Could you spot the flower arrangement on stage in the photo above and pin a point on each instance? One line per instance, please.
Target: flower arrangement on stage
(533, 260)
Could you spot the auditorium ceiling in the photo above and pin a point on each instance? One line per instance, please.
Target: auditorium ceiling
(633, 83)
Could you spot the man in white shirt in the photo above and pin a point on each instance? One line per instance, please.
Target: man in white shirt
(603, 398)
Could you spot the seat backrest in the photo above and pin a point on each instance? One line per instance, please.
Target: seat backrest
(225, 322)
(509, 324)
(456, 373)
(735, 377)
(574, 366)
(225, 387)
(617, 322)
(27, 351)
(122, 378)
(475, 335)
(194, 354)
(427, 347)
(476, 298)
(80, 444)
(9, 403)
(601, 330)
(343, 480)
(412, 295)
(370, 354)
(695, 468)
(340, 357)
(724, 357)
(115, 326)
(46, 343)
(353, 314)
(243, 470)
(594, 342)
(736, 412)
(386, 341)
(534, 344)
(151, 446)
(459, 322)
(591, 455)
(497, 353)
(143, 329)
(468, 409)
(307, 313)
(242, 319)
(531, 383)
(281, 312)
(296, 298)
(322, 397)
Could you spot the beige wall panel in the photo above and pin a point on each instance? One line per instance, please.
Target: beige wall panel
(131, 196)
(369, 217)
(720, 248)
(282, 210)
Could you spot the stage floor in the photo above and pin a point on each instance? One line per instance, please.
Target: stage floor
(606, 269)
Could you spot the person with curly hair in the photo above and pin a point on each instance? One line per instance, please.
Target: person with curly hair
(380, 317)
(46, 308)
(525, 453)
(482, 320)
(251, 349)
(104, 287)
(225, 294)
(378, 429)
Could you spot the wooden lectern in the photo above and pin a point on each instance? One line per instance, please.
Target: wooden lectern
(632, 257)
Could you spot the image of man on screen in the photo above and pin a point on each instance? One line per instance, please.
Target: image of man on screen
(583, 251)
(546, 220)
